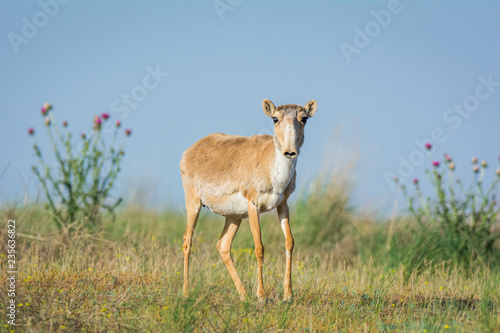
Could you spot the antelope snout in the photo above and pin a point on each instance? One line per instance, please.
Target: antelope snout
(290, 154)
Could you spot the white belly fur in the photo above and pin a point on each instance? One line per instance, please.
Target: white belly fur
(231, 205)
(237, 205)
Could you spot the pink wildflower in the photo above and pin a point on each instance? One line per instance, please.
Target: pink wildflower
(47, 106)
(97, 123)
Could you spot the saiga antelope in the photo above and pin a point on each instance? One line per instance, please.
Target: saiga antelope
(239, 177)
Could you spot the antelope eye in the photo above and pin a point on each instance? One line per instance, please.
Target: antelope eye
(304, 120)
(275, 120)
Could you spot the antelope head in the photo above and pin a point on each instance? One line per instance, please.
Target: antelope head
(289, 122)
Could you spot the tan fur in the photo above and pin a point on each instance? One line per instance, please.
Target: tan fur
(239, 177)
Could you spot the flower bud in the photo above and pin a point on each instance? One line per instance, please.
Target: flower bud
(475, 168)
(428, 146)
(47, 121)
(97, 123)
(415, 181)
(484, 164)
(451, 166)
(474, 160)
(47, 106)
(65, 123)
(436, 164)
(118, 123)
(105, 115)
(31, 131)
(128, 132)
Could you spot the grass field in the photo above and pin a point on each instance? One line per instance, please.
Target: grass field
(129, 278)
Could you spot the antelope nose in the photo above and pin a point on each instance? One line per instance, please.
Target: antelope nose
(290, 154)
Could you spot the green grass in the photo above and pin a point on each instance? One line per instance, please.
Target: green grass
(129, 278)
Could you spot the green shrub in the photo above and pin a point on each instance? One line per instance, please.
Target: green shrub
(321, 214)
(78, 186)
(458, 224)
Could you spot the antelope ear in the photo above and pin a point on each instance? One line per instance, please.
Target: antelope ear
(311, 108)
(268, 107)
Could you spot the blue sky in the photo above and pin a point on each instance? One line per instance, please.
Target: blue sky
(390, 73)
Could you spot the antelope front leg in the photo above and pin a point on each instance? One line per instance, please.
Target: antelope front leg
(283, 215)
(253, 217)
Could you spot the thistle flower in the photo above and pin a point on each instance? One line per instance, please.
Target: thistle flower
(47, 106)
(97, 123)
(105, 115)
(475, 168)
(65, 123)
(428, 146)
(484, 164)
(451, 166)
(415, 181)
(31, 131)
(436, 164)
(44, 111)
(474, 160)
(47, 121)
(447, 158)
(128, 132)
(498, 172)
(118, 123)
